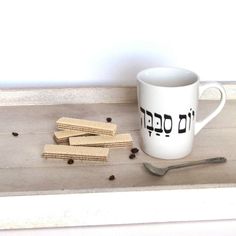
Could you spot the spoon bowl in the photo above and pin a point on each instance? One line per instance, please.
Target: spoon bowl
(155, 170)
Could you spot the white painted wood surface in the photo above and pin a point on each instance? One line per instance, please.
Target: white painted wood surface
(192, 228)
(78, 195)
(12, 97)
(106, 208)
(18, 97)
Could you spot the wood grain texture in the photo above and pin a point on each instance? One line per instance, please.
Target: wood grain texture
(22, 169)
(44, 96)
(40, 119)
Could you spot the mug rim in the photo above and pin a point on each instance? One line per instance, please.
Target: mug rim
(141, 80)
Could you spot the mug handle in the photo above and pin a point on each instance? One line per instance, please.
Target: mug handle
(200, 124)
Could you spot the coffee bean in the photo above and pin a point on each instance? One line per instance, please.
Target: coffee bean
(70, 161)
(134, 150)
(109, 119)
(112, 177)
(15, 134)
(132, 156)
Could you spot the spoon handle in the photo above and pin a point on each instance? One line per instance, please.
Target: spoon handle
(200, 162)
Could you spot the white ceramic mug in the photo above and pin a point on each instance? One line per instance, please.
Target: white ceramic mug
(168, 101)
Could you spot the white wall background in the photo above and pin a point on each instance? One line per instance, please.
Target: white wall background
(106, 42)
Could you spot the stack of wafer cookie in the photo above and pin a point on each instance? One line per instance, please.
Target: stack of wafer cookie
(62, 136)
(88, 126)
(118, 140)
(73, 152)
(85, 140)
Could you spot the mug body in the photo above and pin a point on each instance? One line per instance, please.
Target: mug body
(167, 103)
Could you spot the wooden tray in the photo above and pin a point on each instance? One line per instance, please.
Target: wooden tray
(58, 194)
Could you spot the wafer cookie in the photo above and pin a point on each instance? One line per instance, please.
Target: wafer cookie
(93, 127)
(62, 136)
(74, 152)
(118, 140)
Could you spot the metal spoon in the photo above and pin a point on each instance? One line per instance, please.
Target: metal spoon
(162, 171)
